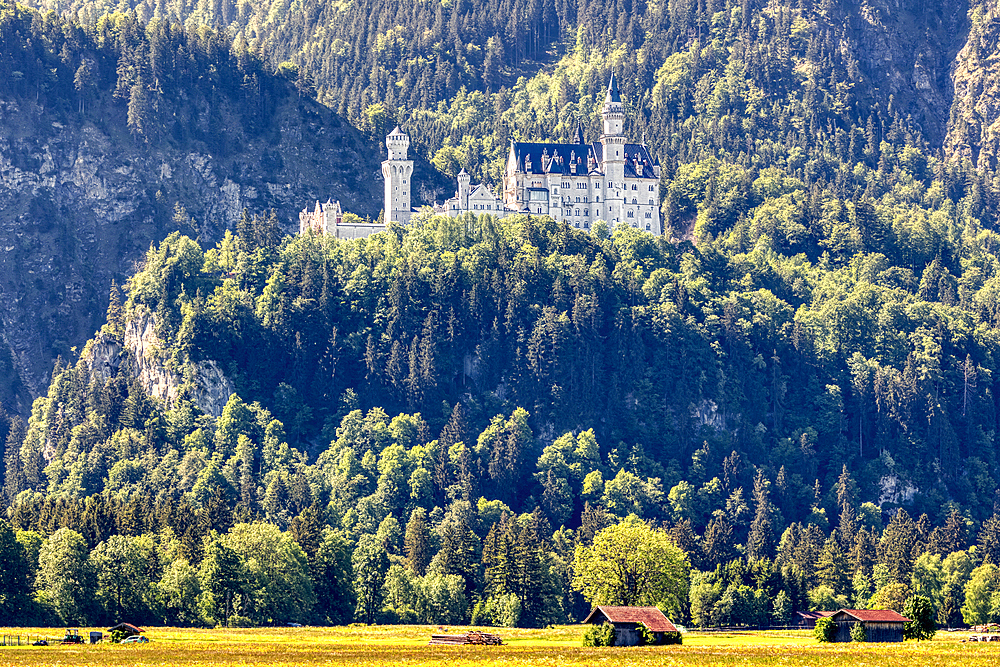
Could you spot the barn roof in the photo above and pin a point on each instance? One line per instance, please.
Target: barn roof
(651, 617)
(127, 626)
(874, 615)
(815, 614)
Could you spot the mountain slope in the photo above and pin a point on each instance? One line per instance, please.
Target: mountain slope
(103, 134)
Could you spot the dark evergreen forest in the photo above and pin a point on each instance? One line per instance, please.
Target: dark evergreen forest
(797, 382)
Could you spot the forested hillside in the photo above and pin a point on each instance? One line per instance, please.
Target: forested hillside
(113, 135)
(830, 94)
(798, 382)
(416, 391)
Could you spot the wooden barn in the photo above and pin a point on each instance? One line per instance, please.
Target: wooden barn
(807, 619)
(881, 625)
(627, 621)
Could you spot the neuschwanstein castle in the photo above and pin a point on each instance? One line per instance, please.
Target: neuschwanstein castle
(581, 183)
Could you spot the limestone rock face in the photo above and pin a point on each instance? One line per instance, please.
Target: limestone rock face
(974, 127)
(105, 357)
(906, 48)
(81, 200)
(212, 388)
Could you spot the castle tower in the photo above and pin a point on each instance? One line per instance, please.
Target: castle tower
(613, 141)
(463, 190)
(397, 172)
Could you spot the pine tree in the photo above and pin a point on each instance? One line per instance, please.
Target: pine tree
(832, 568)
(14, 480)
(417, 542)
(895, 549)
(989, 540)
(138, 119)
(760, 542)
(307, 529)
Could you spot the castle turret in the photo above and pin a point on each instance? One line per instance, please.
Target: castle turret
(397, 171)
(613, 141)
(463, 190)
(613, 112)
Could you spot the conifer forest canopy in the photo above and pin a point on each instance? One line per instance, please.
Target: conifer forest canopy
(796, 383)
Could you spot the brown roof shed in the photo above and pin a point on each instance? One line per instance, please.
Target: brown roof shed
(651, 617)
(870, 615)
(881, 625)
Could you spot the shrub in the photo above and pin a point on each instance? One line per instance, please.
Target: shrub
(671, 638)
(858, 633)
(599, 635)
(921, 625)
(826, 630)
(648, 638)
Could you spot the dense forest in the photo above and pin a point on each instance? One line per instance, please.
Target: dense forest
(414, 410)
(796, 383)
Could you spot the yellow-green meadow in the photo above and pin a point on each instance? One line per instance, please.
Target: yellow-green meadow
(407, 645)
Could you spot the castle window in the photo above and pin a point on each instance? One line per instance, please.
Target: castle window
(649, 215)
(584, 200)
(566, 184)
(634, 201)
(650, 188)
(647, 227)
(635, 187)
(586, 211)
(630, 214)
(577, 200)
(539, 211)
(650, 202)
(577, 212)
(597, 199)
(586, 225)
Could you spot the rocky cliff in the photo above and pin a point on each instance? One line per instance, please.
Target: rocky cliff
(80, 201)
(974, 125)
(907, 50)
(208, 387)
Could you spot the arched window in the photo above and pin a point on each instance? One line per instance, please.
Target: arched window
(630, 214)
(647, 226)
(635, 187)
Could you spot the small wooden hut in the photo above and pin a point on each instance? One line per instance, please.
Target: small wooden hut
(881, 625)
(807, 619)
(627, 621)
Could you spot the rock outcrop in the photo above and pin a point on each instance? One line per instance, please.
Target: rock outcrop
(210, 388)
(974, 127)
(81, 201)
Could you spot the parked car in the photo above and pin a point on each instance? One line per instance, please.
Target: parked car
(135, 639)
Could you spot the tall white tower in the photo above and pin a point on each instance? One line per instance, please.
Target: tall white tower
(463, 190)
(613, 141)
(397, 172)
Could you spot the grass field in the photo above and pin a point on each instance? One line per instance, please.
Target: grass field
(406, 646)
